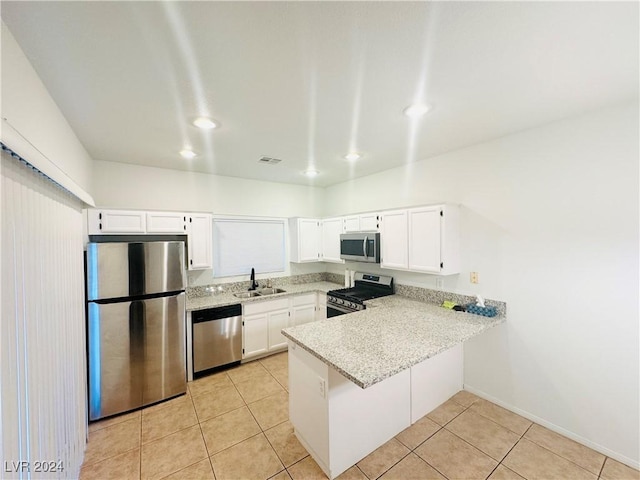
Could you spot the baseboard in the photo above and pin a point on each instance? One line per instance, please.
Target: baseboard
(555, 428)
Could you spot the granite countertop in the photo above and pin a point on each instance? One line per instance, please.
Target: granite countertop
(227, 298)
(392, 334)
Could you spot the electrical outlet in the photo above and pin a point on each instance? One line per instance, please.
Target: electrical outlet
(439, 283)
(474, 277)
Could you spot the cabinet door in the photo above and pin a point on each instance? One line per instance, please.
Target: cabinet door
(321, 312)
(302, 314)
(200, 247)
(277, 321)
(308, 240)
(331, 230)
(166, 222)
(352, 224)
(394, 240)
(424, 239)
(102, 222)
(369, 222)
(255, 335)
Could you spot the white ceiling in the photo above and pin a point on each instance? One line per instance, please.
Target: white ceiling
(307, 81)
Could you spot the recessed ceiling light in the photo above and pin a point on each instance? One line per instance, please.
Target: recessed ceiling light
(416, 110)
(205, 123)
(188, 154)
(310, 172)
(352, 156)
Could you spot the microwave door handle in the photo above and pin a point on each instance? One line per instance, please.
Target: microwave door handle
(364, 246)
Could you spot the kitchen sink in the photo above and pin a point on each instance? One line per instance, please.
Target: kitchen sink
(270, 291)
(246, 294)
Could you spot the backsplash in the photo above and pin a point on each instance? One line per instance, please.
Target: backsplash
(418, 293)
(439, 296)
(200, 290)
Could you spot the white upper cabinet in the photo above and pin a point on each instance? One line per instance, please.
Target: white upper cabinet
(166, 222)
(200, 248)
(423, 239)
(352, 223)
(305, 239)
(393, 239)
(369, 222)
(364, 222)
(331, 229)
(107, 222)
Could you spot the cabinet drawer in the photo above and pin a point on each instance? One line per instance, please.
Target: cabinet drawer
(306, 299)
(265, 306)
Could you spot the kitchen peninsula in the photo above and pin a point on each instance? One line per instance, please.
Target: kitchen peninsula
(357, 380)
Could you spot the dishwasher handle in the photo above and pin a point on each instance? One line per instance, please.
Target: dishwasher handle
(216, 313)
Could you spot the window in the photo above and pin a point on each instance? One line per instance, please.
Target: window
(240, 244)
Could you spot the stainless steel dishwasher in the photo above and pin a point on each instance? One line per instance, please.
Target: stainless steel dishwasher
(217, 337)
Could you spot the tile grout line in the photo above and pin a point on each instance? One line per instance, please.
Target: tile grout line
(563, 457)
(403, 457)
(442, 427)
(602, 467)
(507, 454)
(417, 455)
(499, 424)
(284, 467)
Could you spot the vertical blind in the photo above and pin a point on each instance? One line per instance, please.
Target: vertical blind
(42, 339)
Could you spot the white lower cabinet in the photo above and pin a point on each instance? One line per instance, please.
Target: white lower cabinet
(262, 322)
(321, 313)
(303, 308)
(255, 335)
(277, 320)
(339, 423)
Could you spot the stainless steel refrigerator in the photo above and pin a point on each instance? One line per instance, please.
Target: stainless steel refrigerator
(135, 325)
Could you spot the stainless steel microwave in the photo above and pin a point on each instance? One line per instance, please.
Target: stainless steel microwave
(360, 247)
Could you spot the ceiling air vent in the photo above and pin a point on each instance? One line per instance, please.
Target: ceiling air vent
(269, 160)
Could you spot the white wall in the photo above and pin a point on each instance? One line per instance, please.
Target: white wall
(34, 126)
(550, 221)
(120, 185)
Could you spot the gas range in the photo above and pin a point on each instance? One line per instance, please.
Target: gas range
(367, 286)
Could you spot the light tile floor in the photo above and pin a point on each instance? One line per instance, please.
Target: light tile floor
(234, 425)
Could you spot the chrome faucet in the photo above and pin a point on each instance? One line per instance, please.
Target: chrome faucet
(254, 284)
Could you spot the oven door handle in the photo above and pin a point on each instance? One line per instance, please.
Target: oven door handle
(340, 309)
(364, 246)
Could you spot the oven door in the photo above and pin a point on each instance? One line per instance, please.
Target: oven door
(335, 310)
